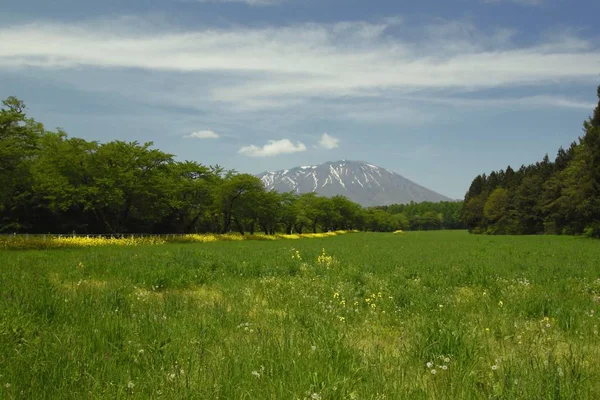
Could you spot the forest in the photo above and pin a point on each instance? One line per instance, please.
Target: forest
(553, 197)
(53, 183)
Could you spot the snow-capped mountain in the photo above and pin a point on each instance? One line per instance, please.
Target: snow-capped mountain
(363, 183)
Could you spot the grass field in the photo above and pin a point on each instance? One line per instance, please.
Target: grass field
(425, 315)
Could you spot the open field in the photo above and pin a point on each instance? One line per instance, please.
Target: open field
(425, 315)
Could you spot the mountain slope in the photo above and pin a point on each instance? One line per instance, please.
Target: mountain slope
(363, 183)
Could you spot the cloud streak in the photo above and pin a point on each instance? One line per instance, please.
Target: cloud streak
(273, 148)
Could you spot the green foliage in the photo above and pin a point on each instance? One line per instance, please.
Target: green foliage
(560, 197)
(592, 231)
(496, 207)
(427, 215)
(19, 137)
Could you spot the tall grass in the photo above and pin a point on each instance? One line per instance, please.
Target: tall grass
(424, 315)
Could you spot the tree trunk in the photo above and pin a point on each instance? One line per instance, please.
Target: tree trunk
(264, 228)
(192, 223)
(239, 226)
(226, 222)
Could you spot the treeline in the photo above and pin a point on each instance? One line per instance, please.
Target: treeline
(424, 216)
(50, 182)
(554, 197)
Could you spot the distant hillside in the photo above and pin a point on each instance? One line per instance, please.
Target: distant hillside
(366, 184)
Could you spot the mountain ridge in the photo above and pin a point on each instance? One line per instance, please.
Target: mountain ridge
(364, 183)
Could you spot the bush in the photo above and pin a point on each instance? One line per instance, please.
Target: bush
(592, 231)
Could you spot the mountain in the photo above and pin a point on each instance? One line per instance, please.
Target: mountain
(365, 184)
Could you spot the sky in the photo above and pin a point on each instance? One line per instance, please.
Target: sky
(438, 91)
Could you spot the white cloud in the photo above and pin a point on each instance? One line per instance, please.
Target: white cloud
(205, 134)
(281, 67)
(273, 148)
(329, 142)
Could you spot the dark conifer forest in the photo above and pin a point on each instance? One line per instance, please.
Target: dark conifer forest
(560, 196)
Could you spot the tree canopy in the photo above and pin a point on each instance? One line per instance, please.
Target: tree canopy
(53, 183)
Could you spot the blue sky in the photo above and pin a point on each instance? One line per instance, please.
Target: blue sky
(438, 91)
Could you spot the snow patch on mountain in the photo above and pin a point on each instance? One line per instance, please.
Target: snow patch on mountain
(364, 183)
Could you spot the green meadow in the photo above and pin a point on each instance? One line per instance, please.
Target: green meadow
(424, 315)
